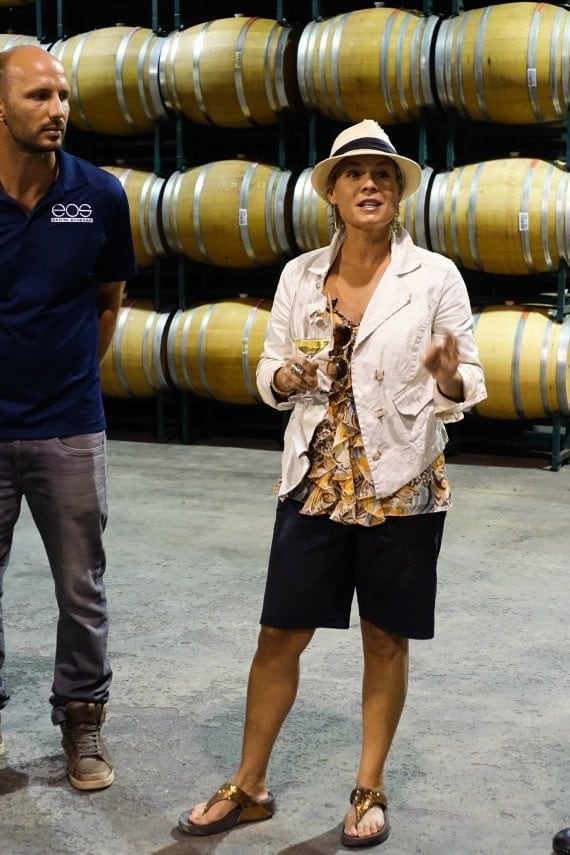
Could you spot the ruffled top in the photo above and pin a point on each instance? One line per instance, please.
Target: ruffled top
(339, 482)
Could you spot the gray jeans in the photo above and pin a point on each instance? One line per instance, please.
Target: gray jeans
(64, 483)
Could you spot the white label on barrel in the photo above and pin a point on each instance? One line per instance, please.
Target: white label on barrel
(237, 59)
(523, 222)
(242, 216)
(531, 77)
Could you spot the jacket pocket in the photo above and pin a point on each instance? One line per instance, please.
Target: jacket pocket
(415, 413)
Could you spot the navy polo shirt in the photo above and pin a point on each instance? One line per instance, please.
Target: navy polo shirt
(51, 262)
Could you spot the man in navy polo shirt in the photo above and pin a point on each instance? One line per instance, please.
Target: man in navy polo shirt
(65, 253)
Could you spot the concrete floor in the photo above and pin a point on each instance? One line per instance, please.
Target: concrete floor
(480, 764)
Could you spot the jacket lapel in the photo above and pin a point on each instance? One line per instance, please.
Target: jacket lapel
(393, 291)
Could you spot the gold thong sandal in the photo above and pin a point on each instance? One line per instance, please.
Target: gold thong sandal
(363, 799)
(246, 810)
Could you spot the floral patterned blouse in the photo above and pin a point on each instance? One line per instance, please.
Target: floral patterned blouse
(339, 482)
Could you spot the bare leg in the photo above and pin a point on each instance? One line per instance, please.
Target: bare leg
(271, 692)
(384, 689)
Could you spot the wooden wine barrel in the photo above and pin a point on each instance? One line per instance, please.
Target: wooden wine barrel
(414, 210)
(506, 63)
(113, 75)
(213, 349)
(507, 216)
(312, 217)
(230, 213)
(368, 63)
(233, 73)
(135, 363)
(525, 355)
(144, 191)
(9, 40)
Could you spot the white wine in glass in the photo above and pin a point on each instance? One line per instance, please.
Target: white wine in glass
(311, 329)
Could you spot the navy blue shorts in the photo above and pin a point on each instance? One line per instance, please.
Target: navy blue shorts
(316, 565)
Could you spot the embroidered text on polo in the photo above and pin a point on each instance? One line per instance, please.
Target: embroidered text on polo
(72, 213)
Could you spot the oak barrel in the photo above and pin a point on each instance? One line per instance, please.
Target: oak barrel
(135, 363)
(113, 75)
(525, 354)
(312, 217)
(230, 213)
(233, 73)
(367, 63)
(508, 216)
(506, 63)
(213, 349)
(9, 40)
(143, 191)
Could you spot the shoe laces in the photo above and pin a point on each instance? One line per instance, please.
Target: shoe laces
(86, 739)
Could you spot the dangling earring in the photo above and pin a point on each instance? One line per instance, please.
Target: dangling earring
(396, 225)
(338, 222)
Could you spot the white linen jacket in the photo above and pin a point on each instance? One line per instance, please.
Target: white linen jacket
(400, 409)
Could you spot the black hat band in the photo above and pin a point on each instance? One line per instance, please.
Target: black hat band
(365, 142)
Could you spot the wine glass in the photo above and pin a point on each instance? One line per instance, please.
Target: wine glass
(311, 329)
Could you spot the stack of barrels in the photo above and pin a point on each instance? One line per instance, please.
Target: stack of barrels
(507, 63)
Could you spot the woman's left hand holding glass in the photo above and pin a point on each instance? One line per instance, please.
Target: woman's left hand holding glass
(442, 361)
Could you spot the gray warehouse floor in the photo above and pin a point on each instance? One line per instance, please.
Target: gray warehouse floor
(480, 764)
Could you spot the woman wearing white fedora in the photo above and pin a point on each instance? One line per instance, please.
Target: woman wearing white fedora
(363, 492)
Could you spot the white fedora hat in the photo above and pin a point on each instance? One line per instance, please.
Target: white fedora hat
(367, 137)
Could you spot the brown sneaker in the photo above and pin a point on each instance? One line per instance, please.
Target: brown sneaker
(89, 762)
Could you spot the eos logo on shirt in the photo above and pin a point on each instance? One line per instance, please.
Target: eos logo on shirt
(72, 213)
